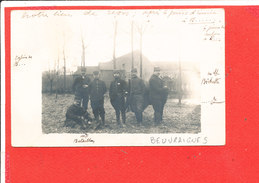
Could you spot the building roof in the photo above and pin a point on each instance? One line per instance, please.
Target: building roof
(89, 69)
(174, 66)
(127, 58)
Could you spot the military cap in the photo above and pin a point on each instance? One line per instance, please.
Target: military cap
(134, 70)
(96, 72)
(156, 68)
(116, 72)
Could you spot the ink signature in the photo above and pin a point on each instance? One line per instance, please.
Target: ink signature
(84, 139)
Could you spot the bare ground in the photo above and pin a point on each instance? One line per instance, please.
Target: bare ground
(177, 119)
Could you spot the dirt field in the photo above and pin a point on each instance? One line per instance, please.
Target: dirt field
(177, 119)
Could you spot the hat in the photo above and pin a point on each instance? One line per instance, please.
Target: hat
(116, 72)
(96, 72)
(134, 70)
(156, 68)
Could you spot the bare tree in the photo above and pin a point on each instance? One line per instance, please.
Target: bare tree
(51, 77)
(180, 94)
(132, 56)
(83, 53)
(85, 41)
(141, 28)
(180, 90)
(57, 78)
(114, 43)
(64, 58)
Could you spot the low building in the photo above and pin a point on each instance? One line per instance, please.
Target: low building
(126, 62)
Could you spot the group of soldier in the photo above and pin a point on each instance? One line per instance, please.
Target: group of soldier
(123, 95)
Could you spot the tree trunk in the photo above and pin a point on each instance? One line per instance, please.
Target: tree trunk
(140, 55)
(114, 45)
(64, 71)
(180, 94)
(51, 86)
(132, 56)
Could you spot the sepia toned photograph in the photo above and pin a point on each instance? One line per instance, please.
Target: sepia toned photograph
(121, 75)
(120, 71)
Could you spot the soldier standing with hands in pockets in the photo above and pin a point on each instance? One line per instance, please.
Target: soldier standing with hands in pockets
(158, 95)
(117, 92)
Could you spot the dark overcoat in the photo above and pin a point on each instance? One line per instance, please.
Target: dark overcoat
(156, 88)
(137, 91)
(97, 89)
(117, 93)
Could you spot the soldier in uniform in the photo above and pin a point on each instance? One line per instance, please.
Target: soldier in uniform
(158, 95)
(97, 90)
(76, 115)
(136, 92)
(117, 93)
(77, 84)
(81, 88)
(85, 91)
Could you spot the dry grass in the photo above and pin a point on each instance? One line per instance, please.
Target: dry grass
(177, 119)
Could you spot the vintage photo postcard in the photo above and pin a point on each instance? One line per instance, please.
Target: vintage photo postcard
(117, 76)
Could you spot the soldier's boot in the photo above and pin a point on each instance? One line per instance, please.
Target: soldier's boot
(139, 118)
(160, 118)
(103, 122)
(157, 118)
(123, 115)
(161, 115)
(103, 119)
(96, 116)
(100, 123)
(118, 117)
(118, 121)
(97, 119)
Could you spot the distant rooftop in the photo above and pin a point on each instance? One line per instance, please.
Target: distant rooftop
(88, 69)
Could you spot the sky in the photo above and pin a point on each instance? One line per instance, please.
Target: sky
(50, 36)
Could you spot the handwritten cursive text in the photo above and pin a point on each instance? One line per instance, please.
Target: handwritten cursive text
(84, 139)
